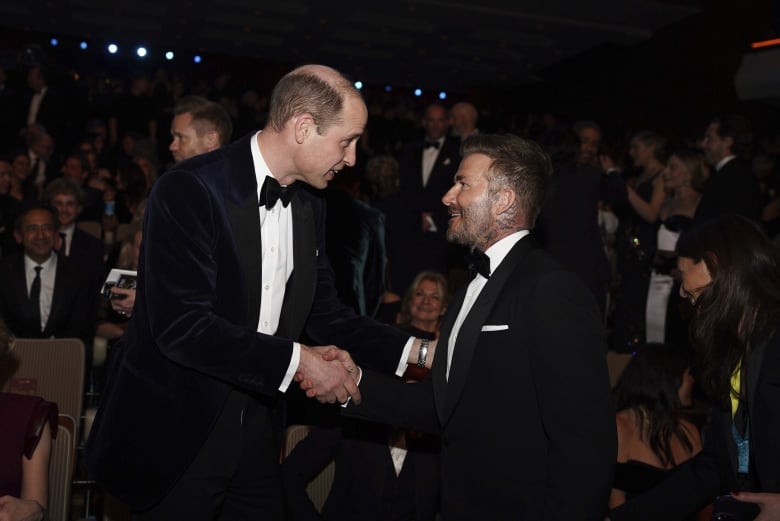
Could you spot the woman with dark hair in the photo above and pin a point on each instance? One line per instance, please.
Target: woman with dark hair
(730, 273)
(28, 424)
(654, 435)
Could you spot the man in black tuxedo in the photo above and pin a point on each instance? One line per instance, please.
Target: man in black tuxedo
(42, 294)
(427, 169)
(731, 187)
(47, 107)
(232, 272)
(84, 250)
(519, 389)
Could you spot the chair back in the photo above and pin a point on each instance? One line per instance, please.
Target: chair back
(52, 368)
(318, 488)
(61, 465)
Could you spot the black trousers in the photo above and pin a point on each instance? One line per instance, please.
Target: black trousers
(236, 474)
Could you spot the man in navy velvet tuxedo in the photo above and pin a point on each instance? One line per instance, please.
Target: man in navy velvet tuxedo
(229, 278)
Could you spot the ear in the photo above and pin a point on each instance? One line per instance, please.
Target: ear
(304, 127)
(211, 139)
(504, 201)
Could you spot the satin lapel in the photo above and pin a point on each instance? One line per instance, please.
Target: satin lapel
(303, 282)
(240, 197)
(439, 367)
(468, 336)
(20, 283)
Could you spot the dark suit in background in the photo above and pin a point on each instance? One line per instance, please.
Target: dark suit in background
(72, 311)
(423, 250)
(732, 189)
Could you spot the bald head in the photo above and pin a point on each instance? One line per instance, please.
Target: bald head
(316, 90)
(463, 118)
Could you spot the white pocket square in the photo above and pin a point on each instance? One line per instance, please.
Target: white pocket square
(502, 327)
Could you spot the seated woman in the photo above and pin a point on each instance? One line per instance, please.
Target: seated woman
(653, 434)
(28, 424)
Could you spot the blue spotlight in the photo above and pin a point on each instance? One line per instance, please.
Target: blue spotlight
(112, 48)
(141, 52)
(83, 46)
(418, 92)
(358, 85)
(169, 55)
(442, 95)
(388, 88)
(54, 42)
(197, 58)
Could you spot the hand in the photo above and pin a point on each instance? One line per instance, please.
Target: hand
(329, 378)
(768, 502)
(123, 305)
(15, 509)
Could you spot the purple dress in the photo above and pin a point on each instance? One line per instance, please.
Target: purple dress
(22, 419)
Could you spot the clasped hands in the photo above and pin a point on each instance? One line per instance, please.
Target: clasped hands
(328, 374)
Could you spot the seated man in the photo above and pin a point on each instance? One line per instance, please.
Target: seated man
(42, 294)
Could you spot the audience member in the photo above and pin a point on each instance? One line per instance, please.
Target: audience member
(427, 168)
(684, 178)
(9, 206)
(730, 273)
(636, 239)
(40, 148)
(731, 188)
(654, 436)
(463, 119)
(424, 304)
(538, 444)
(589, 134)
(42, 294)
(198, 126)
(44, 106)
(29, 424)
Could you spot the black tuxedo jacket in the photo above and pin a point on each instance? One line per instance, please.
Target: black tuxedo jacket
(526, 417)
(733, 189)
(72, 308)
(193, 336)
(86, 251)
(713, 471)
(364, 472)
(428, 198)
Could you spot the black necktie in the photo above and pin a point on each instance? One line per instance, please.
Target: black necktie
(35, 297)
(429, 144)
(63, 246)
(479, 262)
(272, 191)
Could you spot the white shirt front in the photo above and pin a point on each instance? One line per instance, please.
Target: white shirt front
(497, 252)
(35, 104)
(723, 162)
(429, 156)
(67, 240)
(48, 277)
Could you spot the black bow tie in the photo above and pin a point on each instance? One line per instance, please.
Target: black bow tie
(479, 262)
(429, 144)
(272, 191)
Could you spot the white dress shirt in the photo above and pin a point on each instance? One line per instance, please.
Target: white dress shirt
(48, 276)
(723, 162)
(35, 104)
(67, 240)
(429, 156)
(496, 253)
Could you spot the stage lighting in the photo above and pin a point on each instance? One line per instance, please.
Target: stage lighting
(169, 55)
(112, 48)
(418, 92)
(388, 88)
(54, 42)
(141, 52)
(442, 95)
(83, 46)
(358, 85)
(197, 58)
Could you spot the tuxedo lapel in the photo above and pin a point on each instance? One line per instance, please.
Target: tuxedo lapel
(299, 293)
(244, 217)
(468, 336)
(20, 283)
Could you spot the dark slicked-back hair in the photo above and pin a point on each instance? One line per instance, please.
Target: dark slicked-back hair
(28, 207)
(649, 387)
(518, 164)
(206, 116)
(737, 127)
(302, 92)
(740, 308)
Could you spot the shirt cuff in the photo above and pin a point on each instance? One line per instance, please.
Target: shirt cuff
(401, 369)
(295, 360)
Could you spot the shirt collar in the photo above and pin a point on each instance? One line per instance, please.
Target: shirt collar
(723, 162)
(498, 251)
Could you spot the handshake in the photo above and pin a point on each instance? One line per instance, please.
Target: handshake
(328, 374)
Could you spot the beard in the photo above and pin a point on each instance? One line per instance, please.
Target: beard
(474, 226)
